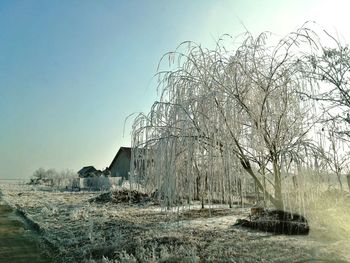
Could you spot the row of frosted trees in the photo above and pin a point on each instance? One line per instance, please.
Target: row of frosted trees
(247, 116)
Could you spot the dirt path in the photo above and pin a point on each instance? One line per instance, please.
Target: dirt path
(16, 243)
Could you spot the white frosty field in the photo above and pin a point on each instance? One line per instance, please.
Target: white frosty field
(80, 231)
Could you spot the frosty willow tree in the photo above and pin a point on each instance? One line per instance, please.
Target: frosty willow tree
(227, 118)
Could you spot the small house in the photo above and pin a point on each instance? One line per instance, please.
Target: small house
(87, 171)
(93, 179)
(120, 166)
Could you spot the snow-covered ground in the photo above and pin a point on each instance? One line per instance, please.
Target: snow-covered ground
(81, 231)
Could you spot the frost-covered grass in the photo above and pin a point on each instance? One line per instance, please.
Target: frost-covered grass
(329, 214)
(89, 232)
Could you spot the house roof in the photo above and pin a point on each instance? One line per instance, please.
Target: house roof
(126, 150)
(86, 169)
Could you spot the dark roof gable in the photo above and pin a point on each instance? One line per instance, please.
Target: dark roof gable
(126, 150)
(86, 169)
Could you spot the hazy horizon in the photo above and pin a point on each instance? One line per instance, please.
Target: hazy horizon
(72, 71)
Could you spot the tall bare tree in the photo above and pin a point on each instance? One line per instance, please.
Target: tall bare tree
(221, 112)
(329, 67)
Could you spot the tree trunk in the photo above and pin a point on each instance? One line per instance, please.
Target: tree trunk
(264, 184)
(257, 192)
(277, 202)
(239, 189)
(278, 185)
(229, 192)
(295, 182)
(339, 180)
(222, 191)
(198, 181)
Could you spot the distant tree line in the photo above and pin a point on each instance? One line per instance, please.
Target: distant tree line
(63, 179)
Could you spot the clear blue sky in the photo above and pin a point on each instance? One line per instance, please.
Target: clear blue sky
(72, 71)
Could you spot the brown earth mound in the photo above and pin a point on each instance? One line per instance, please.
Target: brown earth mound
(122, 196)
(277, 222)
